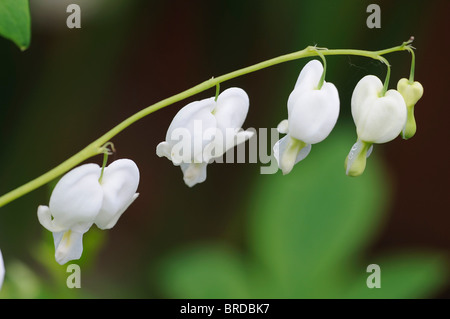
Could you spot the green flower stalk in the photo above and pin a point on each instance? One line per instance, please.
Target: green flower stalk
(98, 146)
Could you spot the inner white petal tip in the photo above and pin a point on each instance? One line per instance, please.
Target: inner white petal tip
(289, 151)
(163, 150)
(45, 219)
(194, 173)
(68, 246)
(283, 127)
(2, 270)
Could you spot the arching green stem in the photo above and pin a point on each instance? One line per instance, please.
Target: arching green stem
(98, 146)
(105, 161)
(322, 78)
(413, 65)
(388, 75)
(217, 91)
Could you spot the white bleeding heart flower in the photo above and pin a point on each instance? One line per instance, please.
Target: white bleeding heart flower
(204, 130)
(2, 270)
(378, 119)
(81, 199)
(312, 115)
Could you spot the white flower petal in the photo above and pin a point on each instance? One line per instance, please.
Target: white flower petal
(310, 75)
(238, 137)
(356, 159)
(163, 149)
(368, 88)
(314, 114)
(197, 110)
(369, 152)
(242, 136)
(2, 270)
(382, 119)
(68, 246)
(288, 152)
(45, 218)
(187, 130)
(119, 184)
(222, 144)
(77, 197)
(231, 109)
(193, 173)
(113, 220)
(378, 119)
(283, 127)
(307, 81)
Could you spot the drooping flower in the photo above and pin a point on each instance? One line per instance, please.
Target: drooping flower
(411, 92)
(204, 130)
(81, 198)
(378, 119)
(2, 270)
(312, 115)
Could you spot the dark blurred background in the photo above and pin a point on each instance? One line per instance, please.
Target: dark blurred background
(72, 85)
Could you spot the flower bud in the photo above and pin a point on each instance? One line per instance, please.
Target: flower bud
(411, 92)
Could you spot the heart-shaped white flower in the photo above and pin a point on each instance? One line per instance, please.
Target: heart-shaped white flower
(204, 130)
(80, 200)
(312, 115)
(378, 118)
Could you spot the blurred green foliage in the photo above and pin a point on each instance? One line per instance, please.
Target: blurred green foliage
(305, 237)
(43, 277)
(15, 22)
(306, 233)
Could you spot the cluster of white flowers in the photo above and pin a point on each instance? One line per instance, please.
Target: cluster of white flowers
(313, 112)
(380, 118)
(204, 130)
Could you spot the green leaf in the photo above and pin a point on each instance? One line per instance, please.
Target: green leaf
(204, 272)
(314, 219)
(405, 275)
(15, 22)
(306, 234)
